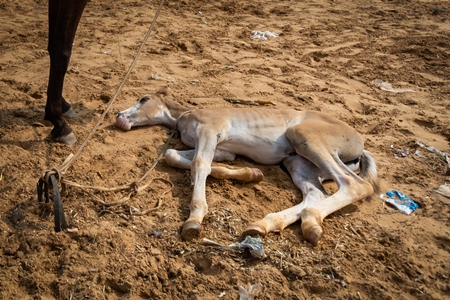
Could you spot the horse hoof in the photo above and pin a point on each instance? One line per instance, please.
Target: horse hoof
(191, 230)
(313, 235)
(68, 139)
(70, 114)
(254, 230)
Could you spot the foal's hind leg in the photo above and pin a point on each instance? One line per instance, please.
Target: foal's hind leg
(306, 176)
(327, 143)
(323, 145)
(183, 160)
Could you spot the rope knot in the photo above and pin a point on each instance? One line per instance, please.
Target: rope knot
(47, 173)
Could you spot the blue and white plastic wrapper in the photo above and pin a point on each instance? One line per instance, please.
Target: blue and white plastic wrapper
(401, 201)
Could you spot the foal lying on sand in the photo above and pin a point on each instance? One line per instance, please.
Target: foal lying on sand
(311, 145)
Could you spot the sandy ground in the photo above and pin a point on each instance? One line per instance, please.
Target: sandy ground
(326, 58)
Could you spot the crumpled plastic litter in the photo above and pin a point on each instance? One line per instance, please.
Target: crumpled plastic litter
(386, 86)
(251, 293)
(401, 153)
(444, 190)
(401, 201)
(444, 155)
(262, 35)
(254, 245)
(444, 193)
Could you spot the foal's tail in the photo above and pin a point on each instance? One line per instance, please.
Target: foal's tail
(368, 170)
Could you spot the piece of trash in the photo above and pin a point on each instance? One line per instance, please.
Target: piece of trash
(444, 190)
(156, 234)
(254, 245)
(251, 293)
(443, 155)
(437, 11)
(401, 153)
(386, 86)
(106, 52)
(262, 35)
(418, 156)
(401, 201)
(443, 193)
(156, 76)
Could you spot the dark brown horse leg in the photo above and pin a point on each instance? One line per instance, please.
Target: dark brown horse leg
(63, 17)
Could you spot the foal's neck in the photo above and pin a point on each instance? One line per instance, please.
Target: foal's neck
(176, 110)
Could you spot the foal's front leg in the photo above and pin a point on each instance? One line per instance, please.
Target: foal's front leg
(201, 167)
(183, 159)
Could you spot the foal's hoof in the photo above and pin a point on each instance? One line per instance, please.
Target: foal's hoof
(257, 175)
(254, 230)
(70, 114)
(68, 139)
(313, 234)
(191, 230)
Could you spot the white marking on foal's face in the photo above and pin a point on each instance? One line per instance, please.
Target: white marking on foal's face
(147, 111)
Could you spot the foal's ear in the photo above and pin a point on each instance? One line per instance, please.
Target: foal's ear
(166, 91)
